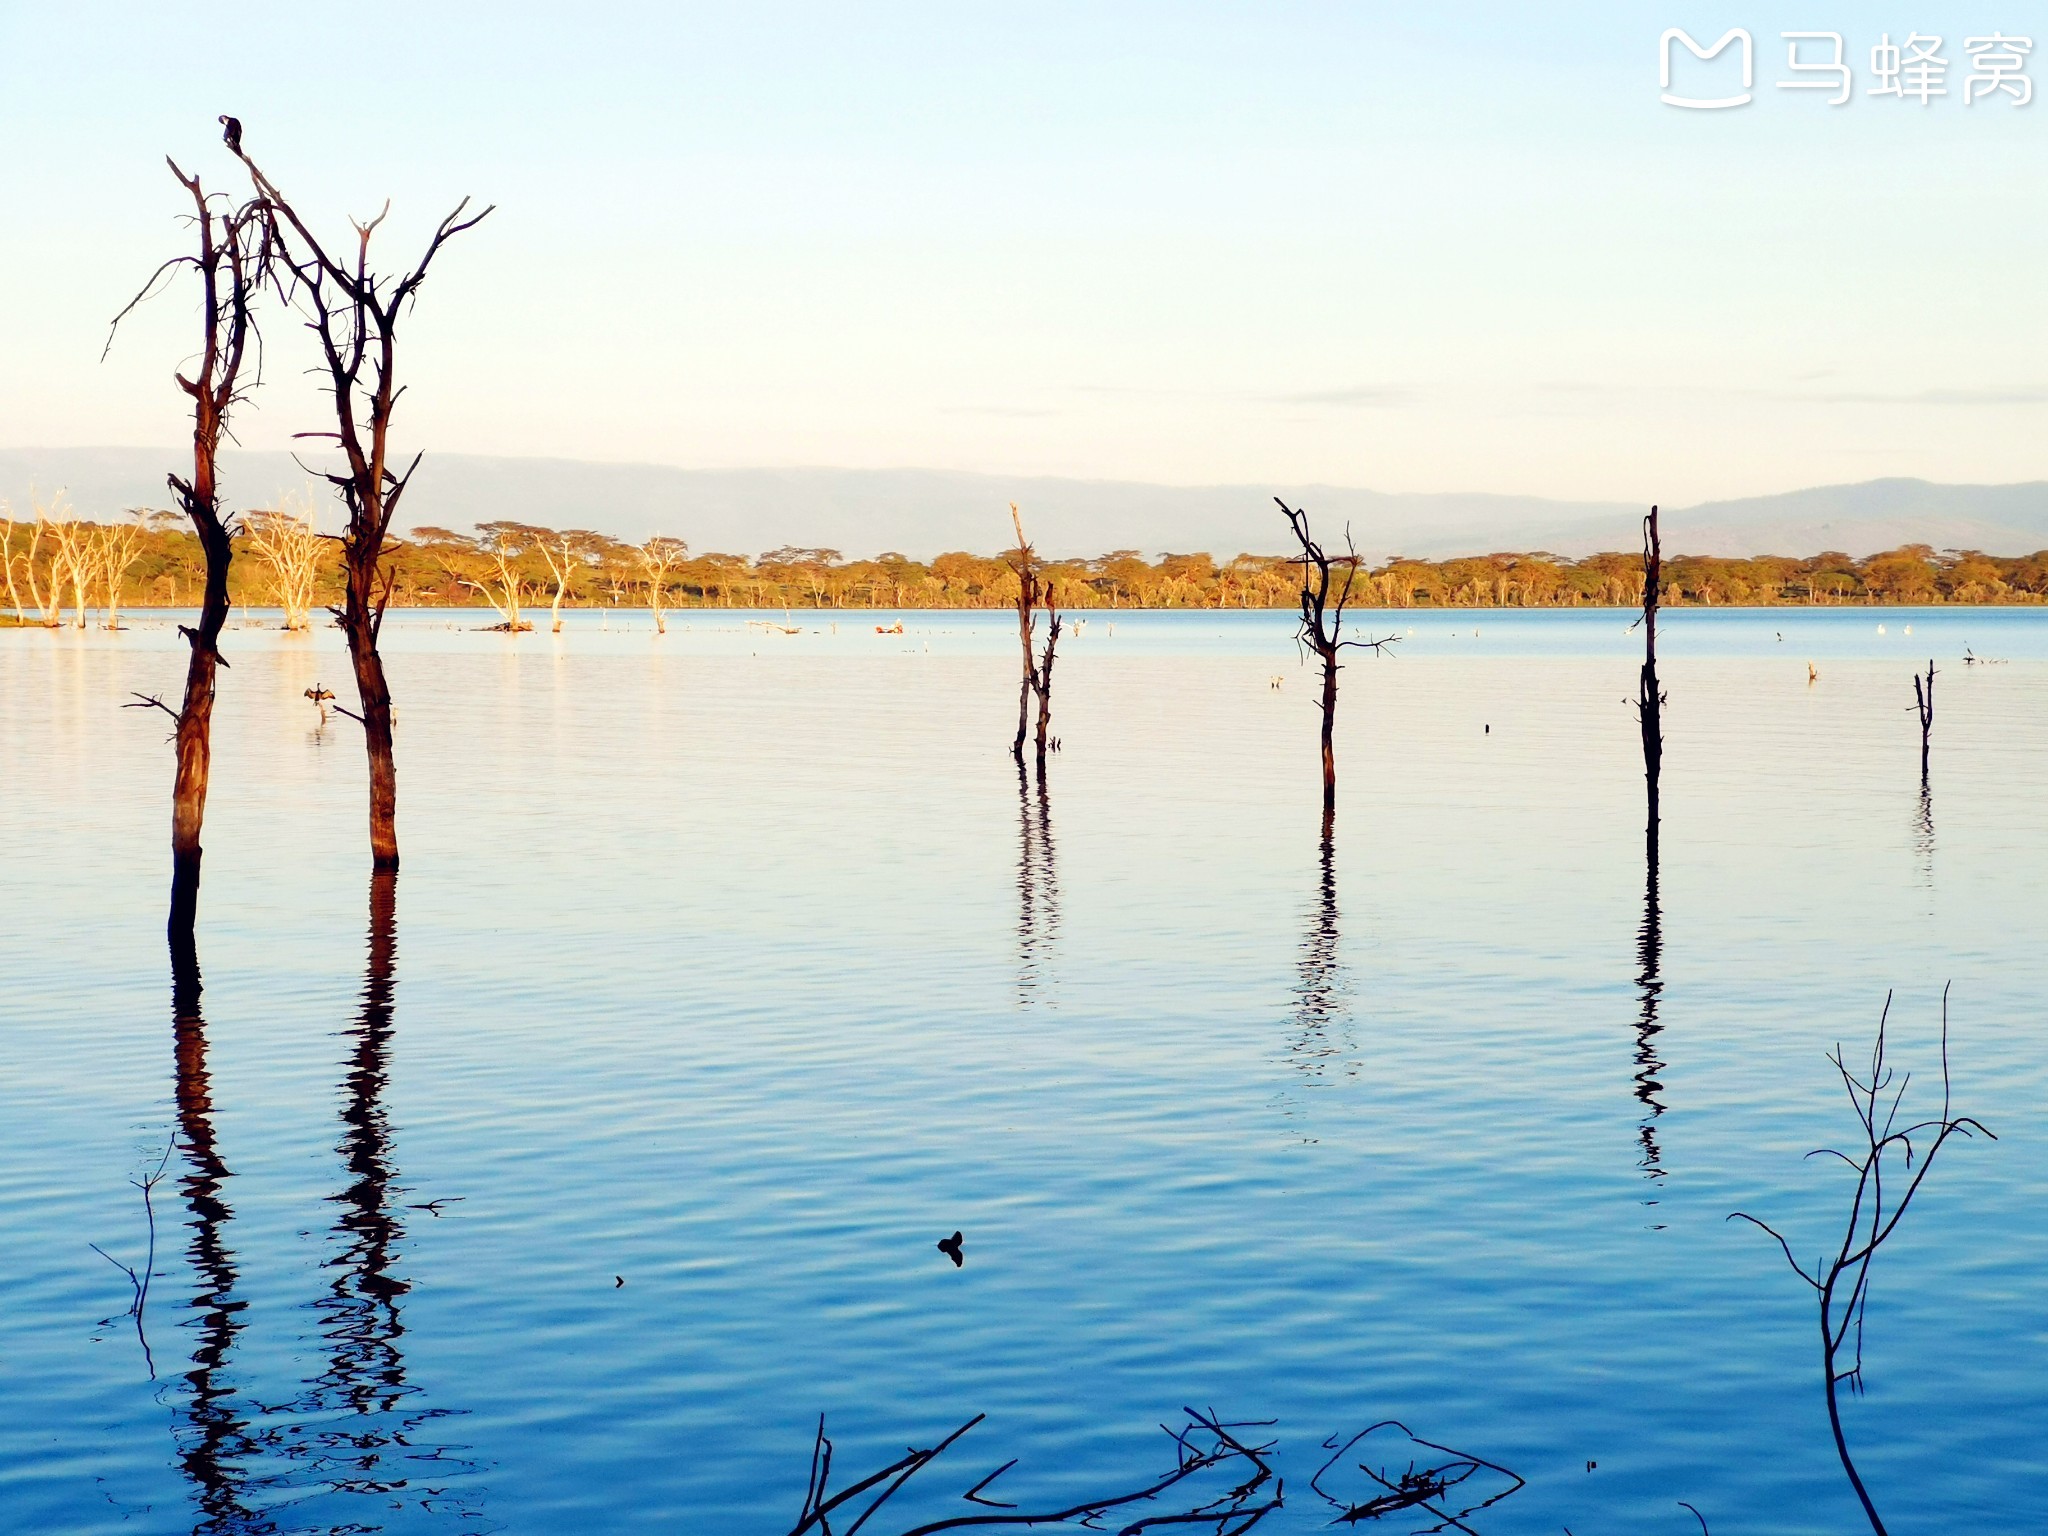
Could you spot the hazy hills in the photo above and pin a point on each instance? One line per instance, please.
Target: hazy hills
(922, 512)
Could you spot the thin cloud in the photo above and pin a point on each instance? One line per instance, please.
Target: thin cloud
(2011, 395)
(1012, 411)
(2023, 396)
(1367, 395)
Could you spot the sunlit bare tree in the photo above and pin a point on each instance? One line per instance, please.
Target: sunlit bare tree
(286, 539)
(1840, 1279)
(566, 553)
(115, 548)
(231, 263)
(354, 313)
(1326, 585)
(658, 556)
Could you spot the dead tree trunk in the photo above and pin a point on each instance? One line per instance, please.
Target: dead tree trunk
(1024, 560)
(233, 261)
(1923, 702)
(1322, 632)
(1650, 696)
(1042, 680)
(354, 314)
(1033, 592)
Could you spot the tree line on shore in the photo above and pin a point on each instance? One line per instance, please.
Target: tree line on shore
(59, 567)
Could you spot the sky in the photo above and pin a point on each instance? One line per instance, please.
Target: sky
(1461, 247)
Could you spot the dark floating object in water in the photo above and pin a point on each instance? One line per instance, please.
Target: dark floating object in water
(1401, 1472)
(1489, 728)
(1219, 1485)
(950, 1247)
(617, 1281)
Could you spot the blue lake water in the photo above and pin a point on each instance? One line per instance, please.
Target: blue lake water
(732, 964)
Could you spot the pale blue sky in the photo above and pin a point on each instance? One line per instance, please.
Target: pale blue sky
(1460, 247)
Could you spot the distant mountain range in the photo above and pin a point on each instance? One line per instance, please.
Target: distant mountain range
(922, 512)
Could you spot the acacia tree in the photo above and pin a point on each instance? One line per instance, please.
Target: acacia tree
(1322, 631)
(354, 314)
(232, 263)
(566, 554)
(657, 557)
(501, 550)
(48, 607)
(73, 566)
(116, 549)
(285, 540)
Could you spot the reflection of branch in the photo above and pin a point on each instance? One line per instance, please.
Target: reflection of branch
(140, 1282)
(1870, 1223)
(1202, 1443)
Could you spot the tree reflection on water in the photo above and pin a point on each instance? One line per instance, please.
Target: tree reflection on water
(1320, 1007)
(1038, 886)
(1650, 990)
(359, 1426)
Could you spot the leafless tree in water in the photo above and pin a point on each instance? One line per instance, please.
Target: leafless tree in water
(72, 565)
(1650, 695)
(1034, 593)
(1923, 706)
(236, 256)
(354, 313)
(139, 1279)
(566, 552)
(1840, 1280)
(1324, 596)
(658, 556)
(286, 540)
(114, 549)
(47, 606)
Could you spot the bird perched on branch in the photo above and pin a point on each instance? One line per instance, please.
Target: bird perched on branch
(231, 132)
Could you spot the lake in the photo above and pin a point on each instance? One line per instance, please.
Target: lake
(729, 970)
